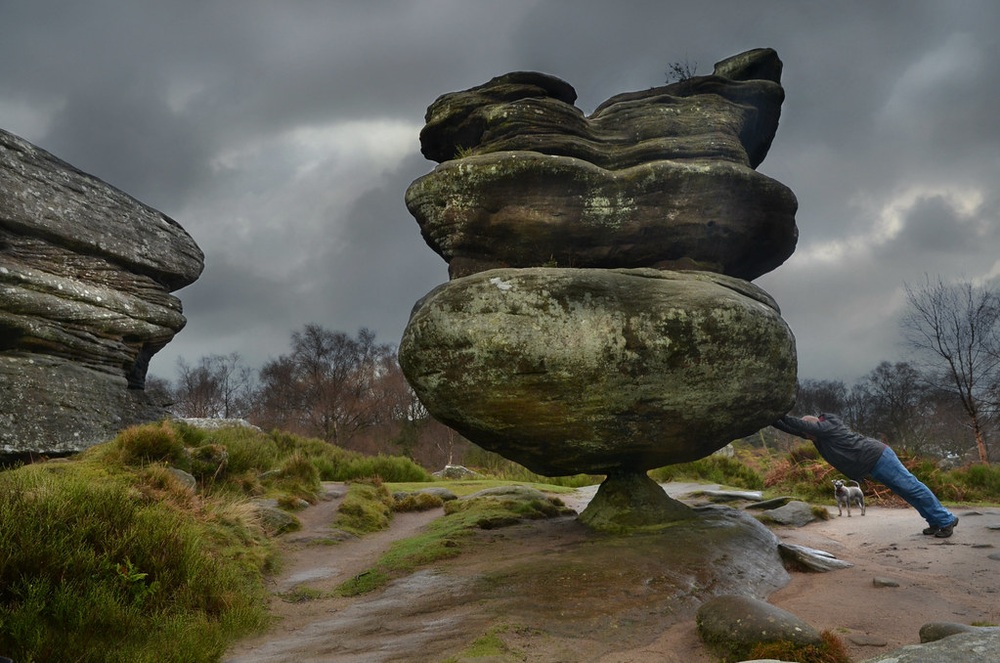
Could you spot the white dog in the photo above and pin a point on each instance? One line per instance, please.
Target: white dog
(845, 494)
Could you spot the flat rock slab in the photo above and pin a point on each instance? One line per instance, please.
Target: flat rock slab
(975, 647)
(811, 558)
(767, 505)
(729, 495)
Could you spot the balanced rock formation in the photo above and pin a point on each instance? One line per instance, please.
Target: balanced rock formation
(599, 316)
(86, 274)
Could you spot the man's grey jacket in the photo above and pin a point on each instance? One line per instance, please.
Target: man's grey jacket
(851, 453)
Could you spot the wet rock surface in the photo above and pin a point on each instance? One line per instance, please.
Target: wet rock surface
(935, 631)
(555, 590)
(976, 647)
(86, 274)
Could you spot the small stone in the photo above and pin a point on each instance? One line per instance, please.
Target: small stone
(884, 582)
(795, 513)
(185, 478)
(867, 640)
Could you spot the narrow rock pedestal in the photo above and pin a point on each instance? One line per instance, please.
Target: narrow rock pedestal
(631, 500)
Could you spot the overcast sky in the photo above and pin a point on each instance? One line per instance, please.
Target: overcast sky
(282, 137)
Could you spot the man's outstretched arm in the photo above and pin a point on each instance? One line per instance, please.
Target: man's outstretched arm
(798, 427)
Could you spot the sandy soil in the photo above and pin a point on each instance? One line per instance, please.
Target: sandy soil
(436, 612)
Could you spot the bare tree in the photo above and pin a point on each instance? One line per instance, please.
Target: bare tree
(681, 72)
(899, 397)
(815, 396)
(219, 386)
(330, 385)
(954, 329)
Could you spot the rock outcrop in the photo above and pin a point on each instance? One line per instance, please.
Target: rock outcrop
(975, 647)
(599, 316)
(86, 274)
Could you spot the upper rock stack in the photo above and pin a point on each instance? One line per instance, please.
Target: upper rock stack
(662, 178)
(85, 279)
(599, 316)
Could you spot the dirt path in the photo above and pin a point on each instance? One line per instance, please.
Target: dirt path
(940, 580)
(425, 616)
(313, 558)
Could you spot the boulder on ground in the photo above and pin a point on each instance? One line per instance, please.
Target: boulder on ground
(456, 472)
(738, 622)
(795, 513)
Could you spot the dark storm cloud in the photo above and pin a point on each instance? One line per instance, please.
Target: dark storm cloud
(282, 136)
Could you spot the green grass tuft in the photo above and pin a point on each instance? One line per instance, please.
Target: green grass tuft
(830, 650)
(447, 537)
(713, 469)
(366, 508)
(97, 567)
(110, 558)
(418, 502)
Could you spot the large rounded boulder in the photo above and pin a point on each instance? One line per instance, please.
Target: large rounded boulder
(600, 371)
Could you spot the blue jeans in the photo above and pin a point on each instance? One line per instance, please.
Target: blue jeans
(891, 472)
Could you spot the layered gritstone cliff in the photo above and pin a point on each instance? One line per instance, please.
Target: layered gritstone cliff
(86, 274)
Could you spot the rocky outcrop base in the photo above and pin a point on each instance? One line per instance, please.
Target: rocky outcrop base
(54, 407)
